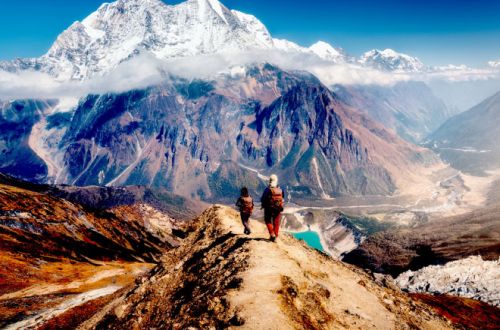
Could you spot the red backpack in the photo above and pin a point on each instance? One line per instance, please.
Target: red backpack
(246, 205)
(276, 199)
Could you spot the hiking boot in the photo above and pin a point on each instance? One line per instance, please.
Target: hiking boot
(247, 231)
(273, 238)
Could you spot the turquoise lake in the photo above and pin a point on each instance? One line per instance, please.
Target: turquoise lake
(311, 238)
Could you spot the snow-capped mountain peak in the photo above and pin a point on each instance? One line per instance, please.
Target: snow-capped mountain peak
(287, 46)
(123, 29)
(327, 52)
(390, 60)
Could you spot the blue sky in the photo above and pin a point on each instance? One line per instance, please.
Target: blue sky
(439, 31)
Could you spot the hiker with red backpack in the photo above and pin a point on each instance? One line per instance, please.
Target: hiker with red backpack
(245, 204)
(272, 202)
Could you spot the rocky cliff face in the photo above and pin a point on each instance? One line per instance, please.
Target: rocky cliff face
(17, 119)
(207, 138)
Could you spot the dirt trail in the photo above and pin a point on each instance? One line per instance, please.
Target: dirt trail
(288, 285)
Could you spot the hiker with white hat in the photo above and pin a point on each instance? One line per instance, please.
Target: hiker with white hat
(273, 202)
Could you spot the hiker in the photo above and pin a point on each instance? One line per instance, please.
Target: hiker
(245, 203)
(272, 202)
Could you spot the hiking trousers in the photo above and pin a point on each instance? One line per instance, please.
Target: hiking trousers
(272, 219)
(245, 218)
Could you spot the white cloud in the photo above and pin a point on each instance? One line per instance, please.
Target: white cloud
(146, 70)
(458, 73)
(140, 72)
(494, 64)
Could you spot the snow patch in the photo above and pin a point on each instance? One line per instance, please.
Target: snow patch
(217, 7)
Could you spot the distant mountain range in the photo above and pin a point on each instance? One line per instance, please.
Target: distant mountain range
(469, 141)
(410, 109)
(124, 29)
(206, 137)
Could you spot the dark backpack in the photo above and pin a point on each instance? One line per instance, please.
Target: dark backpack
(246, 205)
(276, 202)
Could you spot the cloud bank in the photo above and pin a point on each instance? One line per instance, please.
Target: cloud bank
(147, 70)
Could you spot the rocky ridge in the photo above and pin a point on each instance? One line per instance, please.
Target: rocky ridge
(249, 282)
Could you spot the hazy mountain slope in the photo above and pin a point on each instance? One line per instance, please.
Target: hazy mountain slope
(409, 108)
(17, 119)
(469, 141)
(252, 283)
(460, 96)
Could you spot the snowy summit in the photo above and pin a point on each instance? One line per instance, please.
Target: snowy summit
(328, 52)
(392, 61)
(123, 29)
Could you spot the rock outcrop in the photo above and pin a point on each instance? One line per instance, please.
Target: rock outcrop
(410, 109)
(471, 277)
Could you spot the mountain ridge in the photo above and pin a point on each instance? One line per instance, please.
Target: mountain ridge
(468, 141)
(119, 31)
(254, 283)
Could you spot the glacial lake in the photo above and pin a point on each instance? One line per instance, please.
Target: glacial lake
(311, 238)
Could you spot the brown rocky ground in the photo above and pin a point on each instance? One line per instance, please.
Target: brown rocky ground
(59, 259)
(220, 278)
(63, 266)
(468, 313)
